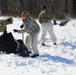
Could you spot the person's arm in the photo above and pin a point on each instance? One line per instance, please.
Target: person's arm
(39, 18)
(22, 30)
(54, 19)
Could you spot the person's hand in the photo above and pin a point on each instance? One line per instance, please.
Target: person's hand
(15, 30)
(55, 23)
(21, 26)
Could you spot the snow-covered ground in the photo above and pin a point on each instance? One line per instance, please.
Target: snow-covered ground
(53, 60)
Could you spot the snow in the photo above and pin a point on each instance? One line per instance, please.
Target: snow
(53, 60)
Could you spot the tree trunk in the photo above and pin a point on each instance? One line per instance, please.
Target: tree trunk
(66, 5)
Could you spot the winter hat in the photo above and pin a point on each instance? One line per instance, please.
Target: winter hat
(10, 20)
(24, 13)
(44, 7)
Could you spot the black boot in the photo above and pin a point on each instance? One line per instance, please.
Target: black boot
(35, 55)
(55, 44)
(43, 44)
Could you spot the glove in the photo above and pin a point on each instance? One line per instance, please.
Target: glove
(21, 26)
(15, 30)
(55, 23)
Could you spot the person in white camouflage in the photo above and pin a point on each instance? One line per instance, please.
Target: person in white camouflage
(32, 28)
(47, 26)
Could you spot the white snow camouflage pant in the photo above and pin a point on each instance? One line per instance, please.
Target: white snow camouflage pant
(48, 27)
(31, 43)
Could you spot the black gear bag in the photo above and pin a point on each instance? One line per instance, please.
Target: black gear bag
(9, 45)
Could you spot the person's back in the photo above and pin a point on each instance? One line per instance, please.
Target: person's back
(31, 26)
(2, 25)
(45, 15)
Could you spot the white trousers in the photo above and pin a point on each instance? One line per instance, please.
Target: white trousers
(48, 27)
(31, 43)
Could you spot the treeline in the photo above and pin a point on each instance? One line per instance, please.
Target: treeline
(61, 8)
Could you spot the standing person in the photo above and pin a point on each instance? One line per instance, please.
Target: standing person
(32, 28)
(45, 19)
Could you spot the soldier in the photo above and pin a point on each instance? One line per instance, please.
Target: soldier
(3, 26)
(45, 19)
(32, 28)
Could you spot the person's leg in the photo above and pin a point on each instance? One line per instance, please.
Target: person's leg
(28, 43)
(35, 46)
(44, 31)
(51, 33)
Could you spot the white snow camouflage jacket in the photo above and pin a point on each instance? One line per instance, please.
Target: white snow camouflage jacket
(30, 26)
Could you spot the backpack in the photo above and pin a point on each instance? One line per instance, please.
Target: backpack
(22, 49)
(9, 45)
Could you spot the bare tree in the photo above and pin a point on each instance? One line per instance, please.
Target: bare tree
(74, 7)
(66, 5)
(58, 7)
